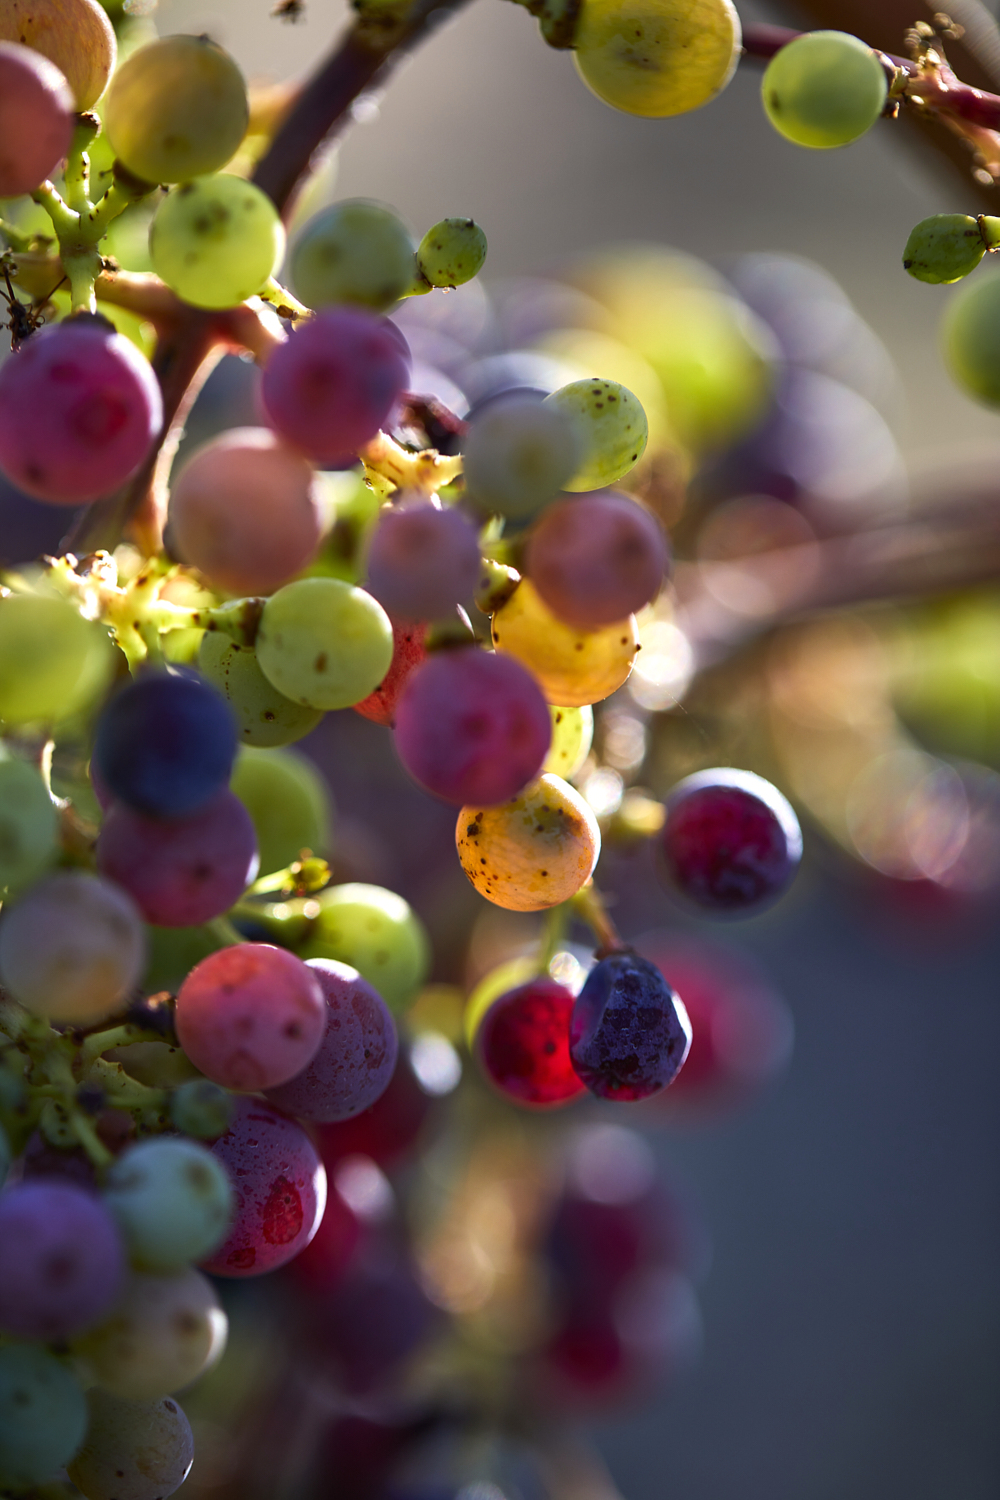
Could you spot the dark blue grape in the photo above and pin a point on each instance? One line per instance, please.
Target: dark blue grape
(629, 1033)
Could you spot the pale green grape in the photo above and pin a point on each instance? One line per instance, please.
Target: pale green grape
(518, 454)
(376, 932)
(53, 662)
(265, 717)
(162, 1333)
(353, 251)
(177, 109)
(825, 88)
(355, 507)
(612, 427)
(43, 1416)
(289, 803)
(216, 241)
(657, 57)
(452, 252)
(28, 823)
(971, 338)
(172, 1201)
(324, 643)
(944, 248)
(134, 1450)
(201, 1108)
(572, 737)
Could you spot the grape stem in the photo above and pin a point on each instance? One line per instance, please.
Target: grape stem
(589, 905)
(425, 472)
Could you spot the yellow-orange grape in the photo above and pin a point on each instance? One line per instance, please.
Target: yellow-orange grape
(74, 34)
(574, 667)
(657, 57)
(533, 852)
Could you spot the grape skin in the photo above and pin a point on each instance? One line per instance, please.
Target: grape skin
(572, 737)
(657, 57)
(172, 1201)
(824, 89)
(376, 932)
(289, 803)
(53, 662)
(422, 560)
(163, 1332)
(43, 1415)
(36, 119)
(324, 643)
(517, 454)
(408, 651)
(61, 1260)
(970, 338)
(596, 559)
(28, 824)
(216, 241)
(574, 667)
(354, 252)
(75, 35)
(134, 1450)
(535, 851)
(265, 717)
(611, 426)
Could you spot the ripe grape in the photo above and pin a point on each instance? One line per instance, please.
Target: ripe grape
(355, 252)
(75, 35)
(172, 1200)
(946, 247)
(289, 803)
(72, 948)
(61, 1260)
(518, 453)
(28, 824)
(825, 88)
(163, 1332)
(572, 737)
(472, 726)
(629, 1034)
(165, 744)
(452, 252)
(79, 409)
(731, 841)
(134, 1450)
(245, 510)
(374, 931)
(573, 667)
(200, 1108)
(330, 387)
(280, 1190)
(251, 1016)
(43, 1416)
(657, 57)
(36, 119)
(324, 643)
(422, 560)
(533, 852)
(408, 651)
(177, 109)
(510, 975)
(523, 1044)
(216, 241)
(970, 334)
(611, 427)
(183, 871)
(357, 1055)
(264, 716)
(388, 1130)
(596, 559)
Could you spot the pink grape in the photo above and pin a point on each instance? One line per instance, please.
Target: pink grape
(357, 1055)
(184, 871)
(472, 727)
(408, 651)
(596, 558)
(79, 409)
(280, 1186)
(329, 389)
(36, 119)
(62, 1263)
(251, 1016)
(422, 561)
(245, 511)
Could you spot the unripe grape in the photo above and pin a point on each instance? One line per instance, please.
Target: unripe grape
(28, 823)
(533, 852)
(324, 643)
(596, 559)
(36, 119)
(574, 667)
(216, 241)
(177, 109)
(245, 510)
(572, 737)
(825, 88)
(53, 662)
(134, 1450)
(289, 803)
(355, 252)
(376, 932)
(657, 57)
(202, 1109)
(408, 651)
(731, 841)
(79, 409)
(75, 35)
(630, 1033)
(163, 1332)
(171, 1200)
(970, 335)
(264, 716)
(422, 559)
(43, 1416)
(611, 427)
(452, 252)
(945, 248)
(518, 454)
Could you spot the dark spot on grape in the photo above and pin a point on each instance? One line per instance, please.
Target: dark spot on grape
(319, 665)
(292, 1030)
(169, 1406)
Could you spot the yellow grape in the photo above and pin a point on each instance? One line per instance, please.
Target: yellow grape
(574, 667)
(572, 737)
(74, 34)
(657, 57)
(532, 853)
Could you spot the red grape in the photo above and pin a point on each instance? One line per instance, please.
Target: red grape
(408, 652)
(422, 561)
(731, 841)
(36, 119)
(629, 1034)
(328, 1254)
(388, 1130)
(596, 558)
(62, 1263)
(523, 1044)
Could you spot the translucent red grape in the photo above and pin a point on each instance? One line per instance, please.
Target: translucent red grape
(408, 651)
(523, 1044)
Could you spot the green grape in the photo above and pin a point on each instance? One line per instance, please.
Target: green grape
(134, 1450)
(289, 803)
(177, 109)
(572, 737)
(657, 57)
(216, 241)
(53, 662)
(163, 1332)
(353, 251)
(28, 823)
(265, 717)
(825, 88)
(518, 454)
(376, 932)
(43, 1416)
(324, 642)
(173, 953)
(612, 427)
(172, 1201)
(201, 1108)
(945, 247)
(452, 252)
(355, 506)
(971, 338)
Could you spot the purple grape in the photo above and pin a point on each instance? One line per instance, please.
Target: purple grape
(36, 119)
(629, 1033)
(597, 558)
(62, 1264)
(165, 744)
(184, 871)
(329, 389)
(79, 409)
(472, 727)
(731, 841)
(422, 561)
(356, 1057)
